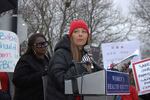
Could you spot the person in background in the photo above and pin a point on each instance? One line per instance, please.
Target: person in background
(4, 86)
(30, 69)
(133, 92)
(68, 50)
(132, 89)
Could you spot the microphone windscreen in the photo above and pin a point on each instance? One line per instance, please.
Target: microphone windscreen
(87, 48)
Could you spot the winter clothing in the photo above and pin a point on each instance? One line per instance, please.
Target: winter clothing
(4, 82)
(132, 96)
(61, 68)
(27, 78)
(4, 79)
(78, 98)
(78, 24)
(145, 96)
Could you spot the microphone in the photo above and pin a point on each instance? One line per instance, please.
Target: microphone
(88, 49)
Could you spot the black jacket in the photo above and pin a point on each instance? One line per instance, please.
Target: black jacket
(27, 78)
(145, 96)
(61, 67)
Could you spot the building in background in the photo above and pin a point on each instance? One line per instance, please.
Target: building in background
(5, 24)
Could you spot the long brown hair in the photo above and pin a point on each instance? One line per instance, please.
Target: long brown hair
(76, 51)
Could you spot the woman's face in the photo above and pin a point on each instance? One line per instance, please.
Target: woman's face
(80, 37)
(40, 46)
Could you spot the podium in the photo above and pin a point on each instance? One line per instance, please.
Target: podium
(104, 82)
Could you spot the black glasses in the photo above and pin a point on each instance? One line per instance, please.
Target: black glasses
(41, 44)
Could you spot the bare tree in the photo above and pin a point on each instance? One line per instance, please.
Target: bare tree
(105, 24)
(39, 15)
(141, 12)
(52, 17)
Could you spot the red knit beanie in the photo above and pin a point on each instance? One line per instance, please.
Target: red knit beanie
(78, 23)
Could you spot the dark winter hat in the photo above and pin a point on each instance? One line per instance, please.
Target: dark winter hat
(78, 23)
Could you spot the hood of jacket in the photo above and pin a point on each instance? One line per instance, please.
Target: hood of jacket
(64, 43)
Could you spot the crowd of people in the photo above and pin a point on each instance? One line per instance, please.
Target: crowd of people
(37, 76)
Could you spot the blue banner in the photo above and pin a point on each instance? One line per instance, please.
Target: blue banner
(117, 83)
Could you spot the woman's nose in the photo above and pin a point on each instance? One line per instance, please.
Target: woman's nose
(80, 33)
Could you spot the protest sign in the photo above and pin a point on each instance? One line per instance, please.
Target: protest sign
(9, 51)
(116, 52)
(141, 72)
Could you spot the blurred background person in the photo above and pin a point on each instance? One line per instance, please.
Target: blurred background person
(30, 69)
(132, 89)
(4, 86)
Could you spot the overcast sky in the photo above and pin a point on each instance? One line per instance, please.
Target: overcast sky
(123, 5)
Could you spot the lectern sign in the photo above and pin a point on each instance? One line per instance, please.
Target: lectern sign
(117, 83)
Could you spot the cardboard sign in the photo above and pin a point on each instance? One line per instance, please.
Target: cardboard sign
(141, 72)
(9, 51)
(117, 83)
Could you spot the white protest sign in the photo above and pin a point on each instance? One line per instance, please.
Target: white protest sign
(9, 51)
(141, 72)
(116, 52)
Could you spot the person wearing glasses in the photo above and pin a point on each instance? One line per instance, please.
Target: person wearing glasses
(30, 69)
